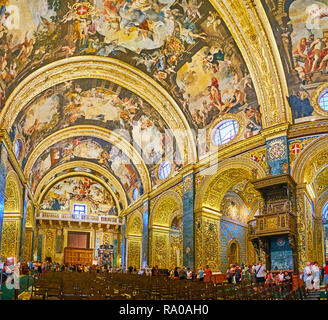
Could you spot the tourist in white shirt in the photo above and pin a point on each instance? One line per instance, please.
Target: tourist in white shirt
(260, 273)
(281, 277)
(308, 276)
(316, 276)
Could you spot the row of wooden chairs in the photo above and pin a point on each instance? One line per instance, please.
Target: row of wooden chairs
(84, 286)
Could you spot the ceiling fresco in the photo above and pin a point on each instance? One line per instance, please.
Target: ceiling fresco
(88, 171)
(88, 149)
(301, 31)
(100, 103)
(71, 190)
(169, 40)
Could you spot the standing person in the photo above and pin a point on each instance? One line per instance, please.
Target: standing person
(281, 277)
(229, 274)
(325, 276)
(189, 274)
(237, 274)
(316, 276)
(307, 275)
(208, 274)
(183, 274)
(259, 273)
(201, 274)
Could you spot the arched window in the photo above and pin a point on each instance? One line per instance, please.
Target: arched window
(323, 100)
(225, 131)
(325, 213)
(135, 194)
(164, 170)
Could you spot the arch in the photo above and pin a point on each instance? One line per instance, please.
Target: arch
(78, 174)
(233, 252)
(311, 161)
(134, 224)
(84, 164)
(225, 174)
(96, 132)
(13, 194)
(29, 215)
(107, 69)
(165, 209)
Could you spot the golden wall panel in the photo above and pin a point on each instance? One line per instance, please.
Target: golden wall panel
(134, 253)
(10, 237)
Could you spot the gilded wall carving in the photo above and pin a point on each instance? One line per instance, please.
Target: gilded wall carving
(12, 202)
(28, 245)
(50, 244)
(10, 238)
(207, 242)
(134, 253)
(160, 249)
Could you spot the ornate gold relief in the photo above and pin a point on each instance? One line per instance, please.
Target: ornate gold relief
(165, 208)
(13, 195)
(28, 245)
(134, 253)
(10, 237)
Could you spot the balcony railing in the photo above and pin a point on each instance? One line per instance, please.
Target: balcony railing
(50, 215)
(271, 224)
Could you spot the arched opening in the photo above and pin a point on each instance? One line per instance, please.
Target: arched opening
(233, 253)
(165, 237)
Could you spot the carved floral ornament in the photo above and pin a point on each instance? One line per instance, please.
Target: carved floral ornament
(311, 161)
(134, 224)
(228, 173)
(166, 209)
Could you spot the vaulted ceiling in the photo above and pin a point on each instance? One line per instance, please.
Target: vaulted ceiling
(112, 87)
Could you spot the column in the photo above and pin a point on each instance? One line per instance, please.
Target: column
(115, 245)
(145, 235)
(188, 221)
(207, 238)
(22, 224)
(3, 173)
(123, 244)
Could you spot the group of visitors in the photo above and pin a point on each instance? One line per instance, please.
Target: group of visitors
(256, 273)
(312, 274)
(202, 274)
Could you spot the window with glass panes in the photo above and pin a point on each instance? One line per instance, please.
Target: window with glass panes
(225, 131)
(323, 100)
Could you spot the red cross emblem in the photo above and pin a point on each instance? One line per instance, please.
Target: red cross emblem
(82, 10)
(254, 158)
(296, 148)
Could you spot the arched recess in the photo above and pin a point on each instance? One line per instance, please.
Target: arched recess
(29, 229)
(233, 252)
(96, 132)
(311, 161)
(134, 239)
(107, 69)
(250, 27)
(213, 230)
(112, 181)
(12, 217)
(78, 174)
(164, 250)
(226, 174)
